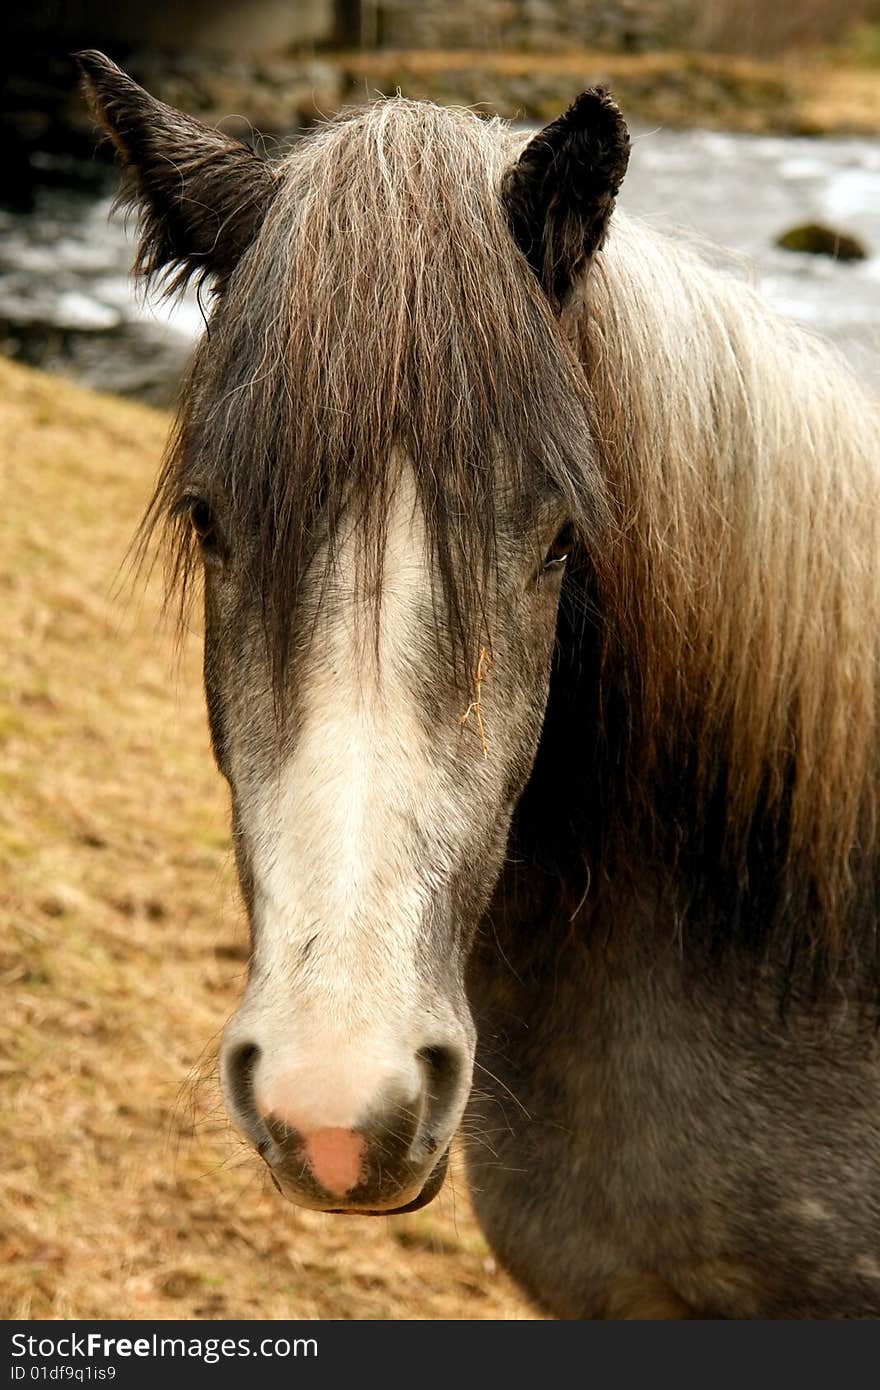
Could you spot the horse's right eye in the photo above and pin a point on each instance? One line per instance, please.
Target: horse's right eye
(201, 520)
(197, 511)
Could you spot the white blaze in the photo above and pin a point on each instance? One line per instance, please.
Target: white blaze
(341, 887)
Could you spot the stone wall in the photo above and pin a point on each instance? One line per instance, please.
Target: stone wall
(756, 27)
(631, 25)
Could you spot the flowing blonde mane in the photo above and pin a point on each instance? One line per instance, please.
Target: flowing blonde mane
(744, 460)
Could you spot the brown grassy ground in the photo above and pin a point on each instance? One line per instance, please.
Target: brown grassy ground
(123, 1193)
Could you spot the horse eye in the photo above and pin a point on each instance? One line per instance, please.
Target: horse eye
(197, 512)
(202, 521)
(561, 548)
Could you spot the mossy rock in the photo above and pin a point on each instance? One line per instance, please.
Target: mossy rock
(817, 240)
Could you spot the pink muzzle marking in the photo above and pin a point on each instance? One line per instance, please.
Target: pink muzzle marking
(336, 1158)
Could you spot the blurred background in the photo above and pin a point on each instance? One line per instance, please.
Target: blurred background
(726, 99)
(123, 1191)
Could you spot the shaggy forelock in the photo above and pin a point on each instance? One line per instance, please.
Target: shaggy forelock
(384, 312)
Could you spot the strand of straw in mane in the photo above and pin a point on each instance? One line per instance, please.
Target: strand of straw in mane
(475, 708)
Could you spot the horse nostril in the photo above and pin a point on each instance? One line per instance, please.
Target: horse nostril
(442, 1068)
(240, 1068)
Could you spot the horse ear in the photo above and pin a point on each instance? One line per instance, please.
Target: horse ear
(560, 193)
(201, 196)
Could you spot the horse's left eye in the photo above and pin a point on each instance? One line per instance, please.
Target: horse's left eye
(561, 548)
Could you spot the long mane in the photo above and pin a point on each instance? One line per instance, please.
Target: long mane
(742, 615)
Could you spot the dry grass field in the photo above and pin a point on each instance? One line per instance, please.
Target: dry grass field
(123, 1192)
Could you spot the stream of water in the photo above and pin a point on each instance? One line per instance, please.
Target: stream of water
(66, 300)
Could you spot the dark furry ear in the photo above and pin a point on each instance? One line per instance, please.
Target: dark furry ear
(201, 196)
(560, 193)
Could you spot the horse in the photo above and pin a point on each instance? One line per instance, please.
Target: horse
(541, 569)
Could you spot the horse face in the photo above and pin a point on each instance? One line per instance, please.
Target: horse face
(370, 829)
(370, 819)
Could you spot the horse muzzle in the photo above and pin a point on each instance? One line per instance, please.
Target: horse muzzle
(364, 1203)
(328, 1150)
